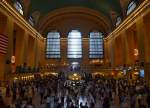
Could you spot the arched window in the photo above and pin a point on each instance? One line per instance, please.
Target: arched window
(132, 5)
(96, 45)
(53, 45)
(18, 6)
(74, 44)
(118, 21)
(31, 20)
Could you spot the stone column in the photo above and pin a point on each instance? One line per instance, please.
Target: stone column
(124, 46)
(36, 52)
(112, 52)
(10, 30)
(3, 28)
(31, 51)
(140, 35)
(43, 56)
(109, 52)
(25, 47)
(19, 46)
(106, 52)
(147, 47)
(85, 53)
(39, 53)
(130, 46)
(147, 37)
(118, 51)
(63, 50)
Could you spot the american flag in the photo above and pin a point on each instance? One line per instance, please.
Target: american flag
(3, 44)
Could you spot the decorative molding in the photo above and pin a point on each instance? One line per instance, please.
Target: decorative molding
(70, 11)
(131, 19)
(9, 11)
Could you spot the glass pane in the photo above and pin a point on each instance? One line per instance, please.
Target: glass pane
(118, 21)
(131, 7)
(53, 45)
(96, 45)
(74, 44)
(18, 7)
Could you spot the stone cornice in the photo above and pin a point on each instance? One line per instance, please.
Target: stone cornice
(131, 19)
(9, 11)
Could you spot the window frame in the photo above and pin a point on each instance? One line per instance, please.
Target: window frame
(101, 56)
(31, 20)
(129, 6)
(51, 56)
(118, 22)
(81, 45)
(18, 4)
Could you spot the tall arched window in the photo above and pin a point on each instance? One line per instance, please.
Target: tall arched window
(96, 45)
(53, 45)
(18, 6)
(31, 20)
(132, 5)
(74, 44)
(118, 21)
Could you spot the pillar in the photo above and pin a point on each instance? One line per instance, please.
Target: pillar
(63, 49)
(85, 53)
(147, 37)
(118, 51)
(31, 51)
(3, 45)
(140, 35)
(112, 52)
(124, 46)
(39, 52)
(147, 47)
(10, 29)
(19, 45)
(25, 47)
(36, 54)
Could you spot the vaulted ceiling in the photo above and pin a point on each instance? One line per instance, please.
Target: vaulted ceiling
(43, 11)
(103, 6)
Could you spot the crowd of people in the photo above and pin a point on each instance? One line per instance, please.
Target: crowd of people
(121, 93)
(50, 92)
